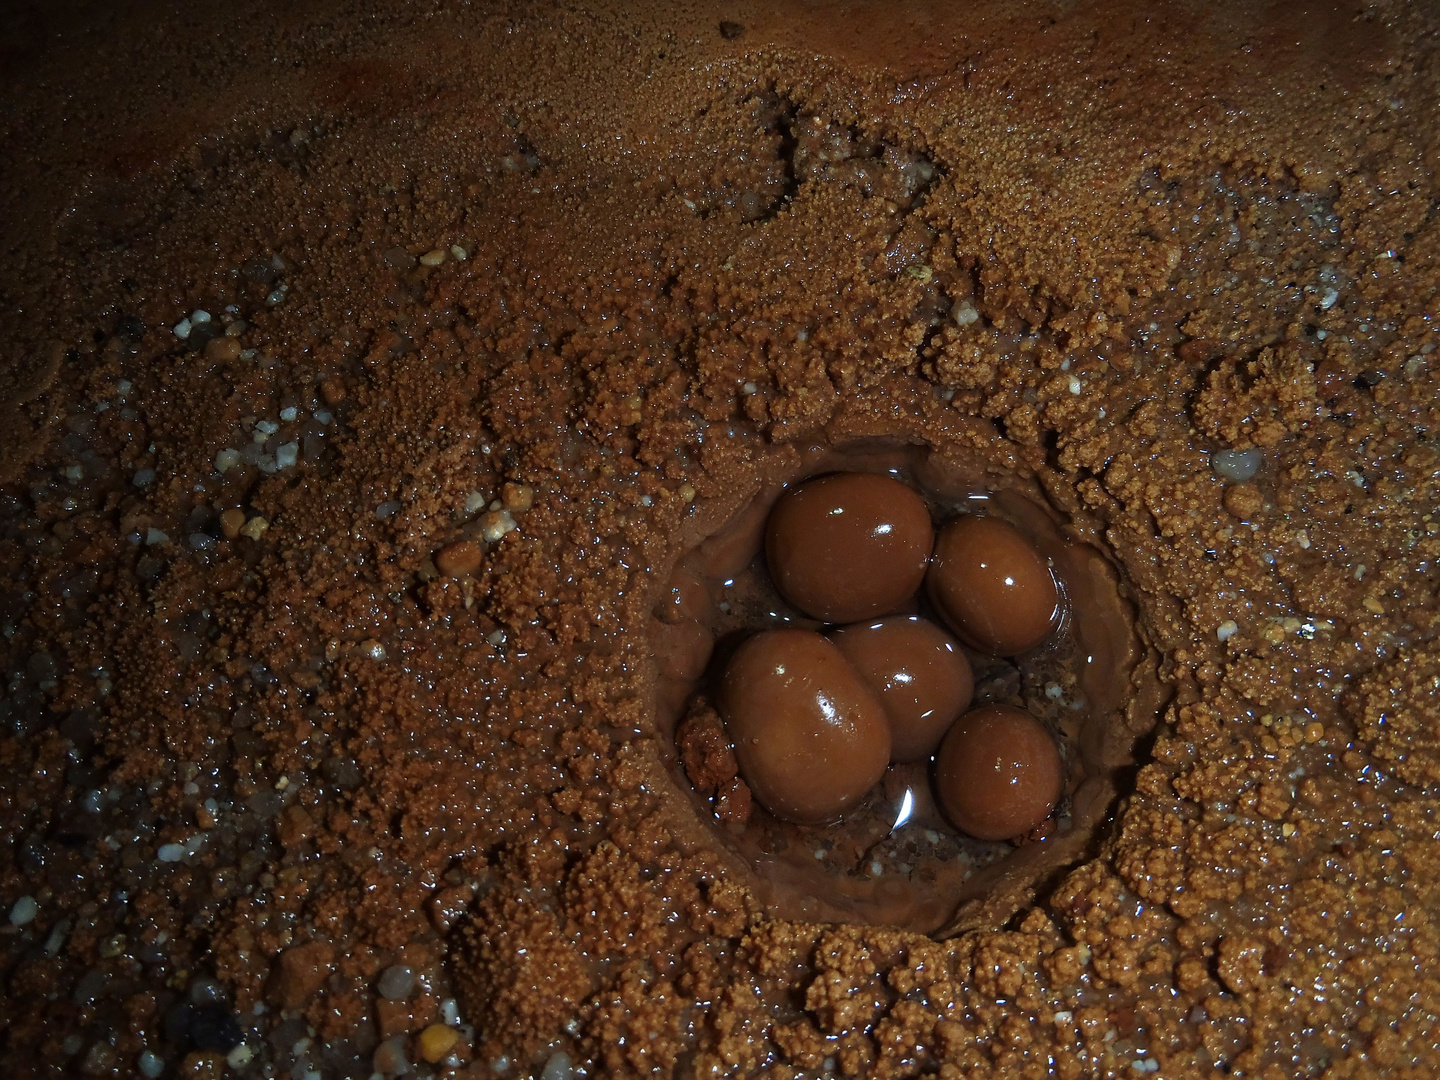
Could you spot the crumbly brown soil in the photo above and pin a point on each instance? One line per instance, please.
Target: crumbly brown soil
(1079, 242)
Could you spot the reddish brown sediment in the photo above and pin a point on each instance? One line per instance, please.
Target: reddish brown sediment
(580, 291)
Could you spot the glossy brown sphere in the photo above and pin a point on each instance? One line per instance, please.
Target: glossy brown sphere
(998, 773)
(919, 673)
(993, 588)
(849, 546)
(810, 736)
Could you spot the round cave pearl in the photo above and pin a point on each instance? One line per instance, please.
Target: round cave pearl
(992, 587)
(919, 673)
(849, 546)
(998, 773)
(810, 737)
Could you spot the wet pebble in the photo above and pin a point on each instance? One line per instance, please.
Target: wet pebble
(390, 1059)
(992, 587)
(1237, 466)
(998, 773)
(23, 911)
(810, 736)
(396, 983)
(1244, 501)
(849, 546)
(919, 673)
(459, 559)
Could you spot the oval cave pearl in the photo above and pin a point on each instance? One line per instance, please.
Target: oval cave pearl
(810, 737)
(992, 587)
(849, 546)
(919, 673)
(998, 773)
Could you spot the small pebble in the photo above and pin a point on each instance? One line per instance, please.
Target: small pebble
(1236, 465)
(919, 673)
(150, 1065)
(992, 586)
(965, 314)
(182, 329)
(1244, 501)
(474, 502)
(286, 455)
(254, 528)
(222, 349)
(396, 983)
(459, 559)
(24, 910)
(226, 460)
(199, 317)
(1226, 630)
(289, 413)
(517, 497)
(433, 257)
(496, 524)
(436, 1041)
(112, 946)
(231, 522)
(849, 546)
(558, 1067)
(155, 536)
(169, 853)
(458, 252)
(390, 1059)
(143, 477)
(998, 773)
(810, 736)
(239, 1057)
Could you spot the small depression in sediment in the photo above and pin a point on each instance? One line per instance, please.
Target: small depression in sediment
(896, 686)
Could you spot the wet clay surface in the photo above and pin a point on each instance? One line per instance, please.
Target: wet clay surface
(370, 374)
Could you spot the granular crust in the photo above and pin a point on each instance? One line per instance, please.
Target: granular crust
(509, 308)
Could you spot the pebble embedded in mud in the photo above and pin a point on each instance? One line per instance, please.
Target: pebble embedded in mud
(849, 546)
(920, 674)
(992, 586)
(998, 774)
(459, 559)
(1244, 501)
(810, 736)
